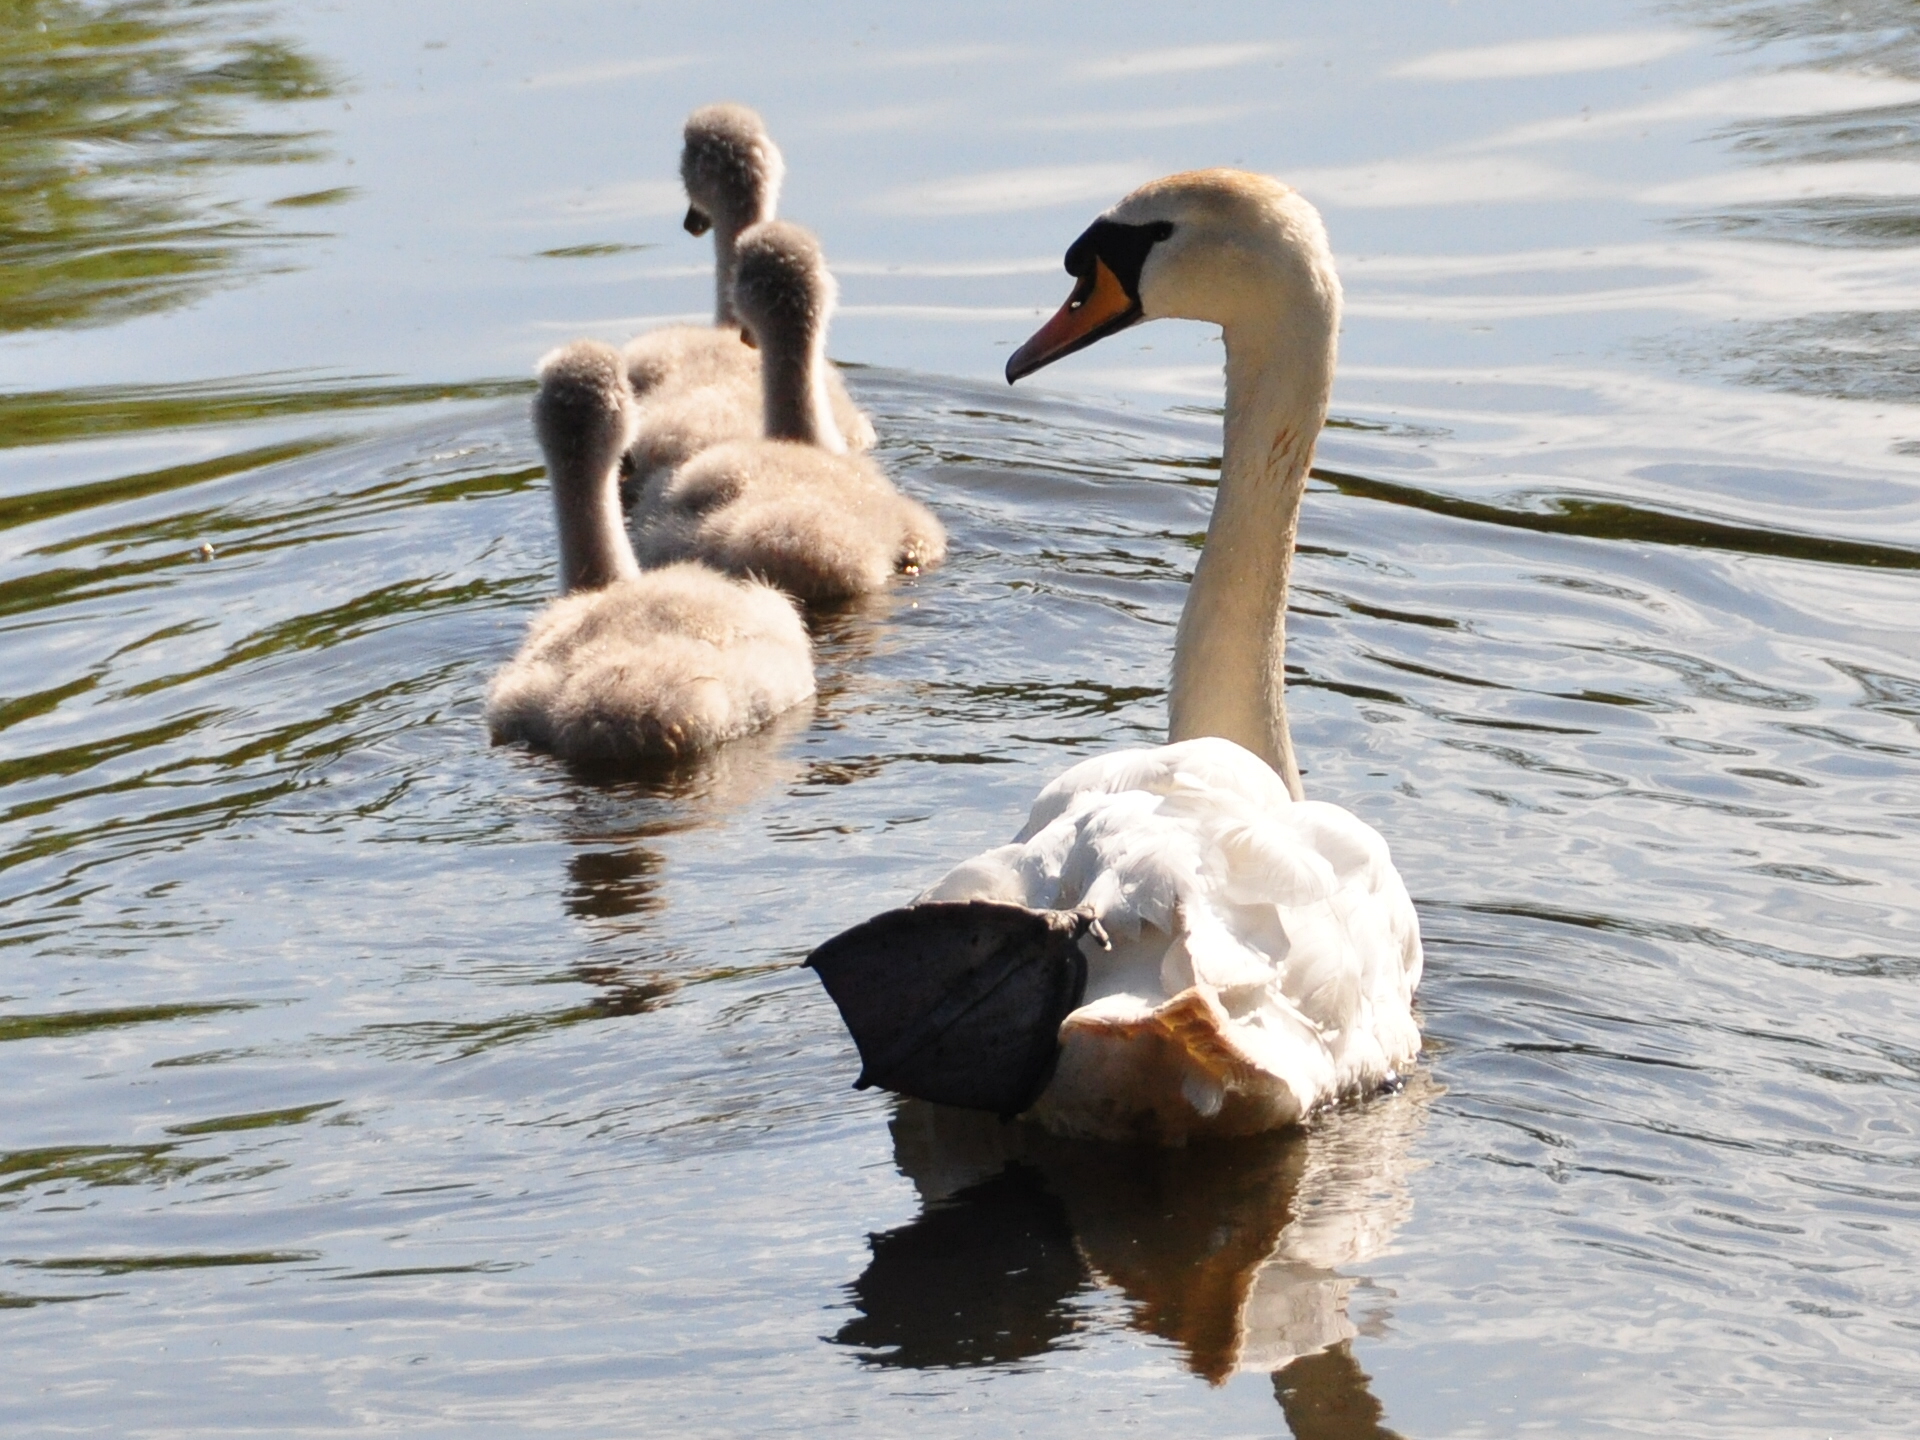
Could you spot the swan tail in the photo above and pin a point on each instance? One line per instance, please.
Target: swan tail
(1162, 1075)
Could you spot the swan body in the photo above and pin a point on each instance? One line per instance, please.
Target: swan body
(1262, 953)
(793, 507)
(700, 385)
(630, 666)
(1250, 955)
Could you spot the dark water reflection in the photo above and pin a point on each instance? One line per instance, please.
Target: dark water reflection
(983, 1277)
(48, 417)
(1228, 1252)
(117, 120)
(613, 884)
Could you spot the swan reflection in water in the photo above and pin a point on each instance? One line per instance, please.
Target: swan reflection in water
(1231, 1251)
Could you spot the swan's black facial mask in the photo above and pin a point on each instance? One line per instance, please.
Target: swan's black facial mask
(697, 223)
(1106, 261)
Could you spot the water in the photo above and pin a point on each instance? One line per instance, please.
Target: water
(364, 1077)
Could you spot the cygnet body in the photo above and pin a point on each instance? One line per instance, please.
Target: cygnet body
(627, 667)
(699, 385)
(792, 508)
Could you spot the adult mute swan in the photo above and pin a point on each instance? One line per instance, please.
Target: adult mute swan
(629, 666)
(1177, 943)
(793, 508)
(699, 385)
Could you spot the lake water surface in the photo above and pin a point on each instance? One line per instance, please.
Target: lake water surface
(363, 1078)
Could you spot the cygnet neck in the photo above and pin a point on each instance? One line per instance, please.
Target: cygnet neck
(594, 549)
(793, 389)
(724, 257)
(727, 229)
(1229, 659)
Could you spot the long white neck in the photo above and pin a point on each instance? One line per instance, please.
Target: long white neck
(594, 549)
(1229, 658)
(793, 390)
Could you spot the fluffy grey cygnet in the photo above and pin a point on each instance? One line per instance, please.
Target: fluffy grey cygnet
(700, 385)
(627, 666)
(792, 508)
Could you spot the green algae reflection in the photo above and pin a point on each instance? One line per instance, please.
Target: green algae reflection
(114, 120)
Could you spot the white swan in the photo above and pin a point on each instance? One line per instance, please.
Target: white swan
(1263, 951)
(700, 385)
(793, 509)
(627, 667)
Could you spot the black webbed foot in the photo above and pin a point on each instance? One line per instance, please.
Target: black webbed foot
(959, 1003)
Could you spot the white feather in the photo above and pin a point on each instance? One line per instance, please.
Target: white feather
(1208, 877)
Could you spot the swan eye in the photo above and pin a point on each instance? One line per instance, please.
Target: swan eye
(1122, 248)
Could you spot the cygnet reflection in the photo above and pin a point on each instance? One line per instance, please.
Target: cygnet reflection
(1233, 1252)
(849, 635)
(615, 871)
(618, 990)
(615, 883)
(616, 868)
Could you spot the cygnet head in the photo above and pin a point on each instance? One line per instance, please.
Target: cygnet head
(732, 171)
(782, 290)
(584, 417)
(1240, 250)
(784, 295)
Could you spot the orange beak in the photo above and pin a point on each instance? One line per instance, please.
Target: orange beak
(1098, 307)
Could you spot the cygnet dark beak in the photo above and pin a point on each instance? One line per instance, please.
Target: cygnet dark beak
(697, 221)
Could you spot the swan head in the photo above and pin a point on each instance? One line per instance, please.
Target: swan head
(584, 417)
(731, 168)
(782, 289)
(1225, 246)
